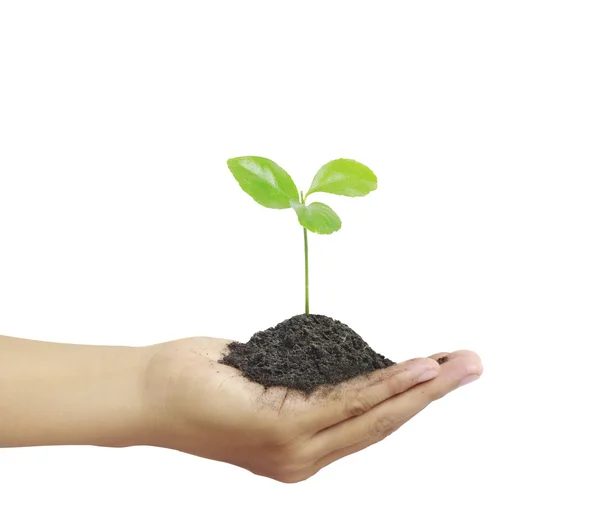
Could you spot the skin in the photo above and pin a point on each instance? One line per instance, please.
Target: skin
(176, 395)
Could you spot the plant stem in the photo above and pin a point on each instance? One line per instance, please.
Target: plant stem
(306, 310)
(306, 306)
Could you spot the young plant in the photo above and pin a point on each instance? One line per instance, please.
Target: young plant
(271, 186)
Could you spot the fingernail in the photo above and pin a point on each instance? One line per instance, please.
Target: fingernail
(427, 376)
(468, 380)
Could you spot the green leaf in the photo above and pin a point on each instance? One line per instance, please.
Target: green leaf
(268, 183)
(344, 177)
(317, 217)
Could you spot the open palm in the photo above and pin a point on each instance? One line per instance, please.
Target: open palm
(205, 408)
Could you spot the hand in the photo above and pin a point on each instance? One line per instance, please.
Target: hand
(198, 406)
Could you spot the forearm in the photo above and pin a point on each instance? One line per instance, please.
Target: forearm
(66, 394)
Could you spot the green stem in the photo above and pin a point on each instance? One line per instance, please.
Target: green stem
(306, 272)
(306, 306)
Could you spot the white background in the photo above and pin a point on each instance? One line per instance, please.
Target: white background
(121, 224)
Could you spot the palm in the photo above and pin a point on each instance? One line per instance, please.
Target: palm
(200, 391)
(210, 410)
(198, 371)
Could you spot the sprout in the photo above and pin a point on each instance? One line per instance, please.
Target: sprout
(271, 186)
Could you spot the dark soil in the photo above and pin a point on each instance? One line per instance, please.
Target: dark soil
(442, 360)
(303, 353)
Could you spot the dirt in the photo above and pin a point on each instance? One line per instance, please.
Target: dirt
(303, 353)
(442, 360)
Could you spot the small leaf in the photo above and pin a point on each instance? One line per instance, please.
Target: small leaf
(268, 183)
(317, 217)
(344, 177)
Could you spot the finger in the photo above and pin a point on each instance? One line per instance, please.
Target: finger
(362, 394)
(440, 358)
(357, 396)
(440, 354)
(390, 414)
(356, 447)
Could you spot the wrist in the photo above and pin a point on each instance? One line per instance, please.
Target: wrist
(120, 400)
(175, 411)
(157, 425)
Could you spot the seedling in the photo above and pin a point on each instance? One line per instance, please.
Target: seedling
(271, 186)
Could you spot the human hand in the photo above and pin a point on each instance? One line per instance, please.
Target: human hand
(198, 406)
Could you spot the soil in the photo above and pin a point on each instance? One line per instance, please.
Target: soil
(442, 360)
(303, 353)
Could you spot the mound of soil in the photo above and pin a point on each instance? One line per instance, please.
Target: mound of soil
(303, 353)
